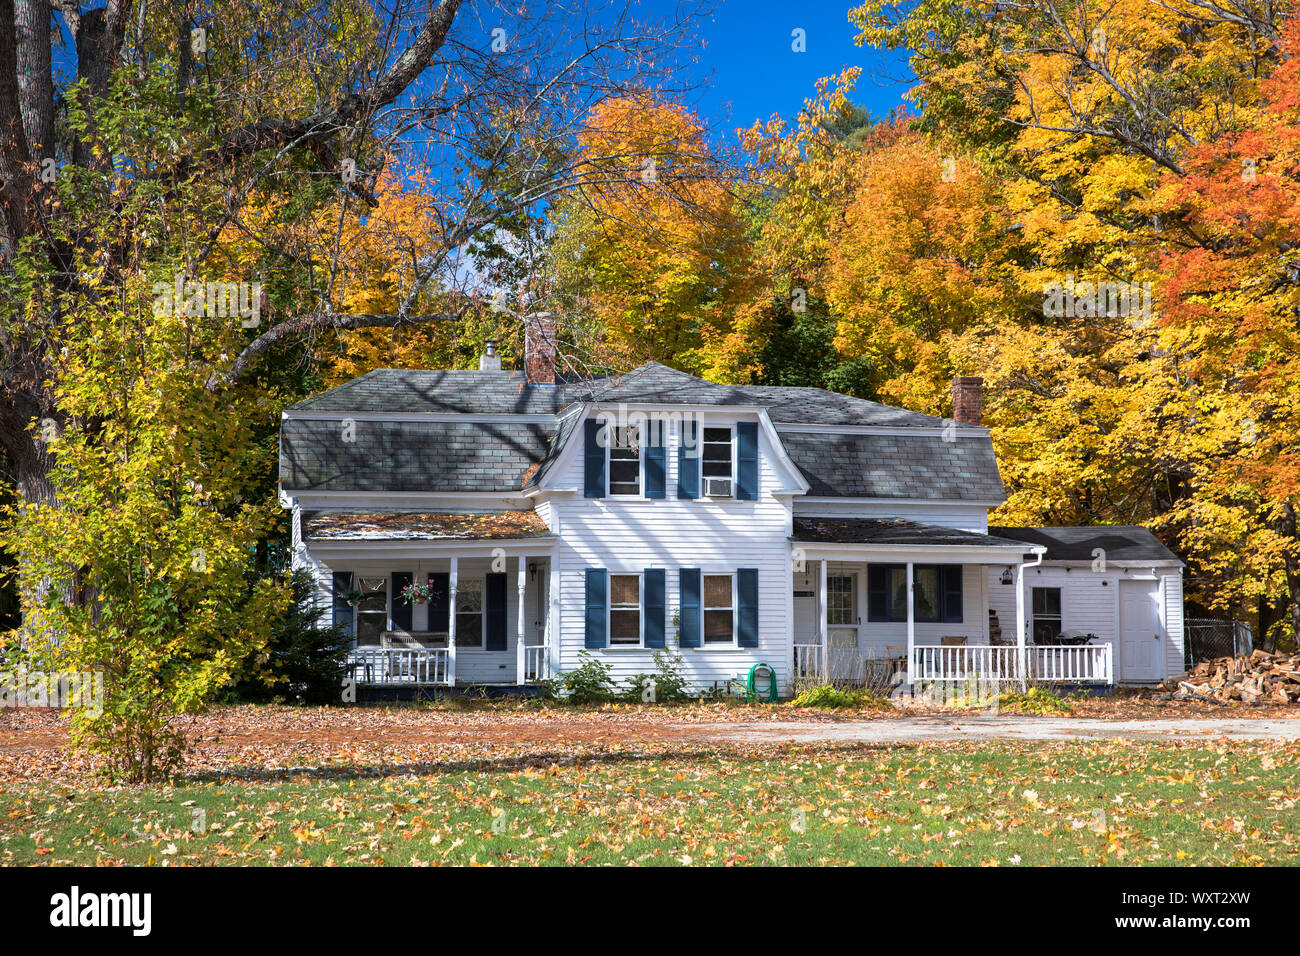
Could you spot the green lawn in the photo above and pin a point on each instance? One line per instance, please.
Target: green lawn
(1006, 805)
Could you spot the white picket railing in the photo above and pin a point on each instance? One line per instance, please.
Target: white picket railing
(1058, 664)
(1088, 663)
(378, 666)
(809, 663)
(537, 663)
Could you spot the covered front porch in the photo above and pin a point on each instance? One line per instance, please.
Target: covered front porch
(882, 603)
(437, 600)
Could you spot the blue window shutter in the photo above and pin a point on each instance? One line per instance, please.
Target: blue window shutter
(402, 612)
(747, 461)
(688, 461)
(878, 592)
(656, 464)
(593, 457)
(655, 603)
(343, 611)
(950, 585)
(494, 607)
(597, 619)
(440, 602)
(689, 613)
(747, 607)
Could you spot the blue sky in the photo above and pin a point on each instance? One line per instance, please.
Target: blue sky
(751, 71)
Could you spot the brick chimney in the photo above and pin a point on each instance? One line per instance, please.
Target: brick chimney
(539, 348)
(489, 361)
(968, 399)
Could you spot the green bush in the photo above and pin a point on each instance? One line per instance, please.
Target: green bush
(834, 698)
(670, 684)
(304, 662)
(592, 682)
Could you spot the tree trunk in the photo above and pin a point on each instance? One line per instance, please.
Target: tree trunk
(35, 81)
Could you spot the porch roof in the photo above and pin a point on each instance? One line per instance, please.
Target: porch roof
(881, 531)
(424, 525)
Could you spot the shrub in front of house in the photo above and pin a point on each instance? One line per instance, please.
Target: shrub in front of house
(1035, 700)
(667, 685)
(591, 682)
(829, 697)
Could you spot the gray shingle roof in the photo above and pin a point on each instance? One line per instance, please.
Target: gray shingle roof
(1120, 542)
(895, 466)
(506, 393)
(437, 391)
(409, 455)
(495, 457)
(887, 531)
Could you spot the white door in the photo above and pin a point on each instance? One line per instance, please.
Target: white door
(1140, 644)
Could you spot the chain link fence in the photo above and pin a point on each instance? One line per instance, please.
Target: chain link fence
(1208, 639)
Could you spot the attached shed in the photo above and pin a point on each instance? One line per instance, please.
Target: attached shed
(1117, 582)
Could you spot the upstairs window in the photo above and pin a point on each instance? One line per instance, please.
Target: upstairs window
(624, 461)
(716, 453)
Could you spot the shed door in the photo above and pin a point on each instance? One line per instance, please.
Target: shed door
(1140, 642)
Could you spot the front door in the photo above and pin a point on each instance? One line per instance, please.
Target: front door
(842, 625)
(1140, 644)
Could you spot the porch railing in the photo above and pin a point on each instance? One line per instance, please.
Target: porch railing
(982, 662)
(537, 663)
(379, 666)
(809, 663)
(1087, 664)
(1055, 664)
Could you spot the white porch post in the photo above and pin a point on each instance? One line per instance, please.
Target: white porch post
(521, 652)
(1020, 622)
(823, 613)
(451, 624)
(911, 625)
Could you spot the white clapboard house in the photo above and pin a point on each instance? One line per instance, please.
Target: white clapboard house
(823, 535)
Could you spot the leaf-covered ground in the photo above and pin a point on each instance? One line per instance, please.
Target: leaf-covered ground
(1074, 803)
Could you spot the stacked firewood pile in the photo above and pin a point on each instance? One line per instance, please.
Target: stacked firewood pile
(1260, 678)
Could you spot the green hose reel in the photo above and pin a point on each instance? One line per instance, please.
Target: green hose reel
(764, 672)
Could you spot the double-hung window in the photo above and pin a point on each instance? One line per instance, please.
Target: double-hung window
(719, 609)
(624, 461)
(624, 610)
(469, 612)
(716, 456)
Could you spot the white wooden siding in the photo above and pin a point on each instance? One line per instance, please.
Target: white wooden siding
(1090, 603)
(630, 535)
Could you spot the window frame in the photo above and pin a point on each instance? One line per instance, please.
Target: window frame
(852, 595)
(610, 608)
(731, 443)
(611, 431)
(734, 608)
(481, 583)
